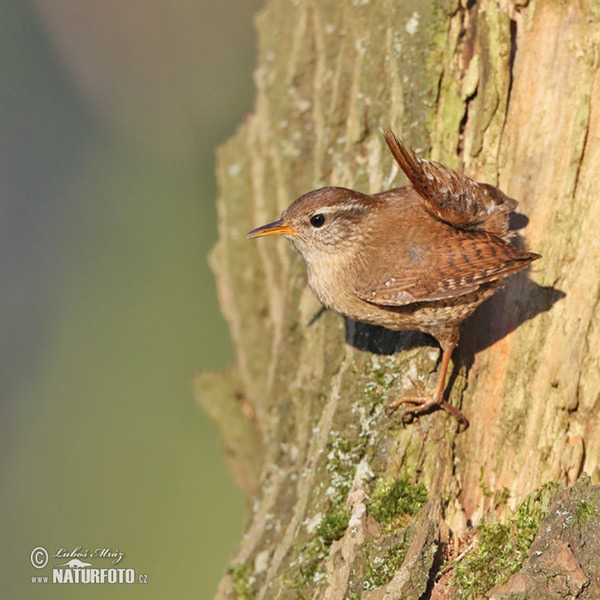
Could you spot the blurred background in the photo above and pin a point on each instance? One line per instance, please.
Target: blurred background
(109, 115)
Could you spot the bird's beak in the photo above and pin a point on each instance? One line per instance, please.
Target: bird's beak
(274, 228)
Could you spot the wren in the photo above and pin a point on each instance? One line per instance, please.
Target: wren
(420, 257)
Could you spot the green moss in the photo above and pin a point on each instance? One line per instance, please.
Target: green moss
(584, 512)
(332, 527)
(310, 569)
(243, 582)
(392, 502)
(378, 382)
(343, 454)
(382, 564)
(379, 373)
(502, 547)
(499, 497)
(380, 376)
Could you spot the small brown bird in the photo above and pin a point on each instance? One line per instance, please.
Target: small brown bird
(420, 257)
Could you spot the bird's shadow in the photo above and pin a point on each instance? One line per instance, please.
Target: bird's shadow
(379, 340)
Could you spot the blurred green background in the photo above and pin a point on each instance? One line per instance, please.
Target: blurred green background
(109, 115)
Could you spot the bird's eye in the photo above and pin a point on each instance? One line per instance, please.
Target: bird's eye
(317, 220)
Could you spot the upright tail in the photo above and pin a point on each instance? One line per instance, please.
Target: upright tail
(453, 198)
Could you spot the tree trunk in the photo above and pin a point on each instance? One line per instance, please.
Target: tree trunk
(509, 92)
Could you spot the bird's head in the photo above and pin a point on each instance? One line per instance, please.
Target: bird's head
(324, 220)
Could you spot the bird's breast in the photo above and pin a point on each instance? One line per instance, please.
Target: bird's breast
(330, 279)
(322, 281)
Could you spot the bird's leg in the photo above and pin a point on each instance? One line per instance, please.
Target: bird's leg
(426, 402)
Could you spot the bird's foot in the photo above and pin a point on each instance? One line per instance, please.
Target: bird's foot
(425, 402)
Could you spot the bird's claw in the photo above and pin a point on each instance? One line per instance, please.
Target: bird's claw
(425, 402)
(421, 399)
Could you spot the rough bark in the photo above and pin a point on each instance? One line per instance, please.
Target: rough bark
(508, 92)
